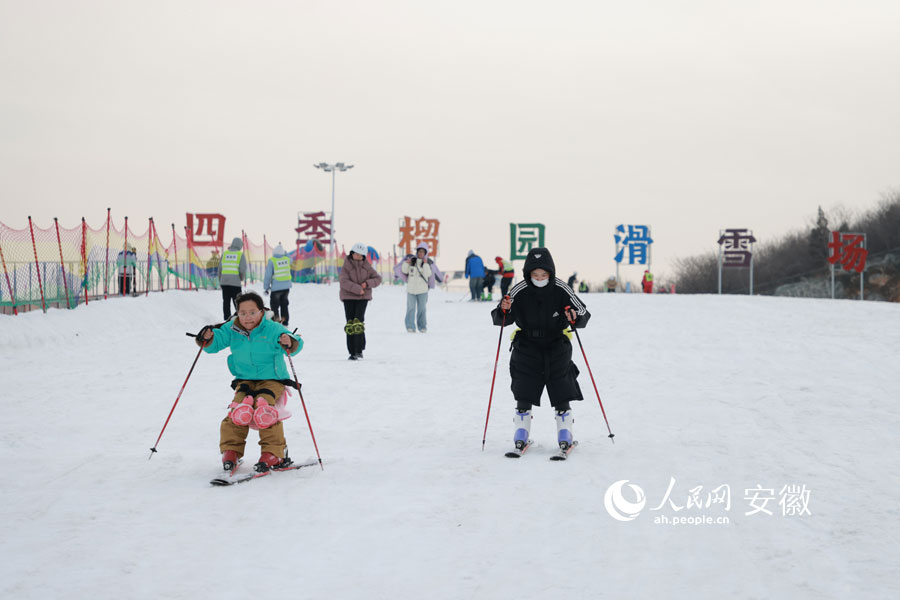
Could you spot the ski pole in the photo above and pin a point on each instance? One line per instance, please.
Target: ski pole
(297, 383)
(493, 378)
(153, 449)
(580, 345)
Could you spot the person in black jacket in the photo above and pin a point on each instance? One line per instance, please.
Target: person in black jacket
(542, 306)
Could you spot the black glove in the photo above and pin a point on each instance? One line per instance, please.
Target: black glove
(201, 334)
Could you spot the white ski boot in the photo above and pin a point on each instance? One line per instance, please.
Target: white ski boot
(564, 429)
(522, 421)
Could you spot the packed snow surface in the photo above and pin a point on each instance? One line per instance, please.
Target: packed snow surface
(710, 398)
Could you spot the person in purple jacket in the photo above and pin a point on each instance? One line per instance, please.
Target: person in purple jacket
(358, 277)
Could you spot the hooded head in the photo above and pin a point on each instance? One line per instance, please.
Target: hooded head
(538, 258)
(498, 260)
(236, 244)
(422, 246)
(279, 250)
(470, 253)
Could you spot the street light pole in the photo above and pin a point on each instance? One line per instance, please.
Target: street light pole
(333, 169)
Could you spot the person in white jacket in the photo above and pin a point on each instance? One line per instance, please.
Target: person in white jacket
(418, 272)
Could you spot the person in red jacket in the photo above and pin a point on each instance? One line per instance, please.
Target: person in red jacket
(647, 283)
(507, 272)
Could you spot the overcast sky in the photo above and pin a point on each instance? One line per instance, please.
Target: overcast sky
(688, 116)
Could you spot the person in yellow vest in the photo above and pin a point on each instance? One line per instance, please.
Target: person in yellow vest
(278, 281)
(233, 274)
(647, 282)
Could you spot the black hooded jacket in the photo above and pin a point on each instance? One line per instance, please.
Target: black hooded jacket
(540, 312)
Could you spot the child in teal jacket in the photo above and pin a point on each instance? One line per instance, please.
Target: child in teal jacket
(258, 346)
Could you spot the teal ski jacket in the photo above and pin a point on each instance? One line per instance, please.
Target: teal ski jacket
(256, 354)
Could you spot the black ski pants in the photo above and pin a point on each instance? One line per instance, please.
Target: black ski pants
(279, 301)
(125, 282)
(535, 364)
(229, 293)
(356, 309)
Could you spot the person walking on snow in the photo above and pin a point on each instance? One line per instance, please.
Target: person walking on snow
(475, 275)
(418, 273)
(542, 306)
(234, 272)
(437, 276)
(358, 277)
(507, 273)
(278, 281)
(258, 346)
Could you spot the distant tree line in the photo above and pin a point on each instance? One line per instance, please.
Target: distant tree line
(796, 264)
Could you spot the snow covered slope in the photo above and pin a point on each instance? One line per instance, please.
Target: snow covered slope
(726, 393)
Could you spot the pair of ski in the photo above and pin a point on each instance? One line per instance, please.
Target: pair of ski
(560, 454)
(232, 477)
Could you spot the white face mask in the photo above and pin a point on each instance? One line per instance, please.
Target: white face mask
(540, 282)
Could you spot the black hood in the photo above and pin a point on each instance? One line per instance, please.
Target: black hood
(539, 258)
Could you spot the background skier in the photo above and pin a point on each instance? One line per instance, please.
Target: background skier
(418, 273)
(232, 275)
(358, 277)
(475, 275)
(127, 262)
(490, 278)
(507, 274)
(278, 280)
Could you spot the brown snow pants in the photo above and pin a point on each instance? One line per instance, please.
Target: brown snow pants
(271, 439)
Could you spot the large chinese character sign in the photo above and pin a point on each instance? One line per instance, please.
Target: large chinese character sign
(736, 251)
(523, 237)
(848, 250)
(414, 232)
(636, 240)
(313, 226)
(737, 247)
(205, 229)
